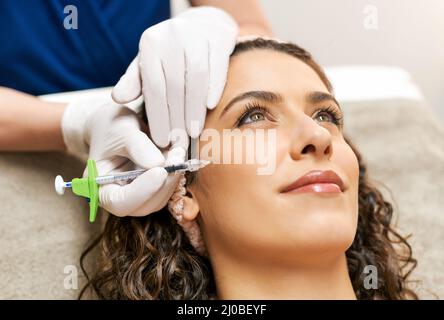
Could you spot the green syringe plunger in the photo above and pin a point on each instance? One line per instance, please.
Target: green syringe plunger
(88, 188)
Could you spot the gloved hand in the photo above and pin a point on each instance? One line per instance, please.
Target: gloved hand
(117, 141)
(181, 70)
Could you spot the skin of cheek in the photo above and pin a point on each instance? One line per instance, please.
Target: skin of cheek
(243, 214)
(231, 198)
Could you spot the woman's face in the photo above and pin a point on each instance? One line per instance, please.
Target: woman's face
(246, 214)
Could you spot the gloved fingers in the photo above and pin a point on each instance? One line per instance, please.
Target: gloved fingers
(125, 200)
(142, 151)
(174, 68)
(219, 58)
(179, 138)
(129, 87)
(160, 198)
(154, 93)
(112, 164)
(175, 155)
(197, 85)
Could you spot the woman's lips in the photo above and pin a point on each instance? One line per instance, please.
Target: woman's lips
(317, 181)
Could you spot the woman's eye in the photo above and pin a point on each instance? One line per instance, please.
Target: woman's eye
(324, 117)
(252, 117)
(329, 114)
(257, 116)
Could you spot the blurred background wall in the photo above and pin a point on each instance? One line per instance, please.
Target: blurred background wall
(403, 33)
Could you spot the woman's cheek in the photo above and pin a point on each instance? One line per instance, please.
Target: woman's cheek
(282, 146)
(346, 159)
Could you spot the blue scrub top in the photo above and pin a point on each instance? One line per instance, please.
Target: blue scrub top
(39, 56)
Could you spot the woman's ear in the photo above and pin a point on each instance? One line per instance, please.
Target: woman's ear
(190, 206)
(183, 205)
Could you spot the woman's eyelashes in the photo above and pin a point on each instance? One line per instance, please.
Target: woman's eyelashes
(254, 112)
(330, 114)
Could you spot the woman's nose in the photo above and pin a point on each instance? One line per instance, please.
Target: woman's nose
(310, 139)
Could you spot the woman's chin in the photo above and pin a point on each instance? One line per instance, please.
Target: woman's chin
(330, 234)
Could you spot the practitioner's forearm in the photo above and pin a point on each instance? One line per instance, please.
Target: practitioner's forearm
(29, 124)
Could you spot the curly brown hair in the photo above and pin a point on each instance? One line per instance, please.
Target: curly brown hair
(150, 257)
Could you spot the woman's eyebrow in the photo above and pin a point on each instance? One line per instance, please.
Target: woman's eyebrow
(266, 96)
(319, 96)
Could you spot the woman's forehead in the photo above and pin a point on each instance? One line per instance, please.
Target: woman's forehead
(268, 70)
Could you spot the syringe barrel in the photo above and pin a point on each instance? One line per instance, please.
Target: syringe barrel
(115, 177)
(131, 175)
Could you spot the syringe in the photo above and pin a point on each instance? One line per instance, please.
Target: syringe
(190, 165)
(88, 187)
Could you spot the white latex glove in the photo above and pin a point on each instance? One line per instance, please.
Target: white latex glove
(181, 70)
(117, 141)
